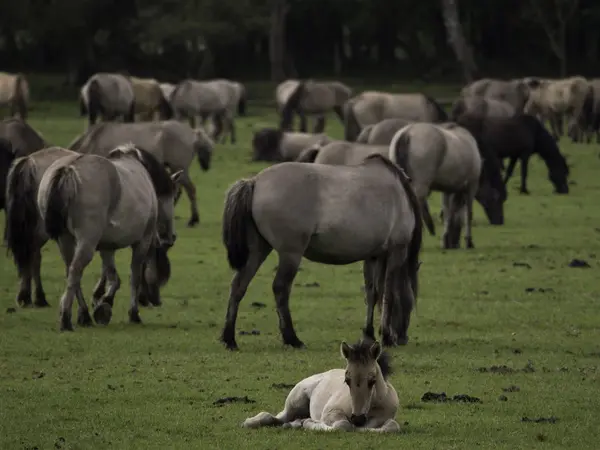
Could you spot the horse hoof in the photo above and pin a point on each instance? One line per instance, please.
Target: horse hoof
(134, 316)
(193, 222)
(368, 333)
(403, 340)
(524, 192)
(469, 243)
(41, 302)
(296, 343)
(65, 323)
(103, 314)
(84, 319)
(24, 299)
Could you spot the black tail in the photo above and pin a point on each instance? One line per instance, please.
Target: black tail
(21, 213)
(442, 115)
(164, 107)
(57, 202)
(291, 106)
(352, 128)
(237, 217)
(94, 105)
(414, 247)
(20, 96)
(242, 102)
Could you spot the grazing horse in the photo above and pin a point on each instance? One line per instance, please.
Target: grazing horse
(572, 98)
(486, 107)
(311, 98)
(90, 203)
(197, 100)
(150, 99)
(14, 93)
(331, 215)
(514, 92)
(357, 398)
(172, 143)
(235, 93)
(446, 158)
(517, 138)
(24, 139)
(275, 145)
(382, 132)
(371, 107)
(109, 96)
(25, 235)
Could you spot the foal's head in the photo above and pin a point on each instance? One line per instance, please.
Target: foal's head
(366, 364)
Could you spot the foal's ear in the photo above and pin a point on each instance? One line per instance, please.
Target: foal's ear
(176, 176)
(375, 350)
(345, 350)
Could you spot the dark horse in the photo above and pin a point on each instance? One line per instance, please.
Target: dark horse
(517, 138)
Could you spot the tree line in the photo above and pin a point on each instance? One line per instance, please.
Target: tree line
(432, 40)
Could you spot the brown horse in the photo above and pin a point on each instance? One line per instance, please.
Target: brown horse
(150, 100)
(14, 94)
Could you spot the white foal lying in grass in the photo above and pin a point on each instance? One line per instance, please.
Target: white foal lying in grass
(358, 398)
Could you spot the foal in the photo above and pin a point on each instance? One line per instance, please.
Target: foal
(356, 398)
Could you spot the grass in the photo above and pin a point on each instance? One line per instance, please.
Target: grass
(153, 386)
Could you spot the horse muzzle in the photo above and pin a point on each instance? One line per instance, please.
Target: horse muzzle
(358, 420)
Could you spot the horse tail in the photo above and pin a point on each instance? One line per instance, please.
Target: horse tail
(62, 189)
(440, 113)
(308, 155)
(21, 94)
(414, 247)
(94, 105)
(237, 218)
(242, 102)
(291, 105)
(21, 212)
(401, 150)
(352, 128)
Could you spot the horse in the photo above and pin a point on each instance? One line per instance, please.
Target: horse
(330, 215)
(234, 94)
(172, 143)
(371, 107)
(167, 89)
(150, 99)
(25, 235)
(357, 398)
(571, 97)
(22, 136)
(514, 92)
(197, 100)
(312, 98)
(14, 94)
(517, 138)
(382, 132)
(594, 127)
(275, 145)
(340, 153)
(109, 96)
(90, 203)
(487, 107)
(446, 158)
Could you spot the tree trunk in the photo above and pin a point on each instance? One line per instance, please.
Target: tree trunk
(277, 51)
(457, 40)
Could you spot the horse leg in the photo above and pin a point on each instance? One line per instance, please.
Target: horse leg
(295, 410)
(370, 296)
(524, 164)
(103, 299)
(446, 208)
(460, 212)
(24, 294)
(139, 254)
(282, 284)
(259, 250)
(190, 190)
(319, 125)
(510, 169)
(422, 192)
(40, 295)
(77, 256)
(390, 313)
(469, 221)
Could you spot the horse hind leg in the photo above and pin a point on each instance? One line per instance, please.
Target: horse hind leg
(319, 125)
(103, 298)
(295, 410)
(24, 295)
(392, 296)
(282, 285)
(370, 296)
(190, 190)
(259, 250)
(40, 295)
(139, 254)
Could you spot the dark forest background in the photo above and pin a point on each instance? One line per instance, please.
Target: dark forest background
(427, 40)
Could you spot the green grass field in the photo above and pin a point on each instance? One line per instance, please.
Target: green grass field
(153, 386)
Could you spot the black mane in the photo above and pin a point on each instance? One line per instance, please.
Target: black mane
(266, 143)
(360, 352)
(163, 185)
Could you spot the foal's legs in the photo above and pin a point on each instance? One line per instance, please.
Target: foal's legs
(297, 408)
(282, 285)
(259, 250)
(190, 190)
(76, 255)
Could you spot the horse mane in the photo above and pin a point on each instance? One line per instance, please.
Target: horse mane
(441, 112)
(360, 353)
(163, 185)
(395, 168)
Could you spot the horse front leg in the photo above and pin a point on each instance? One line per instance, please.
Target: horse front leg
(469, 221)
(190, 191)
(139, 253)
(40, 295)
(524, 167)
(24, 295)
(370, 296)
(396, 259)
(282, 286)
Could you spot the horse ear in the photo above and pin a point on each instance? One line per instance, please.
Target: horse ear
(345, 350)
(375, 350)
(176, 176)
